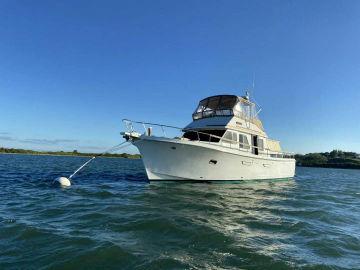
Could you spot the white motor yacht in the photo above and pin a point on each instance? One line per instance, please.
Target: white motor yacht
(225, 141)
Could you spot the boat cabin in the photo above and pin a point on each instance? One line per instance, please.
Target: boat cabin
(231, 121)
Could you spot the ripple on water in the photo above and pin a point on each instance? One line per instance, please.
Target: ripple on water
(113, 218)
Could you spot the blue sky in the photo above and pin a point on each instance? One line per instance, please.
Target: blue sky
(71, 70)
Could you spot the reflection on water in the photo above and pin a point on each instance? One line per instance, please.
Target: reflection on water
(113, 218)
(245, 212)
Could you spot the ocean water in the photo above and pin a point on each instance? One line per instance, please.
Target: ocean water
(113, 218)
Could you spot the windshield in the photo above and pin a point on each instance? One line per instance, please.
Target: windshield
(215, 106)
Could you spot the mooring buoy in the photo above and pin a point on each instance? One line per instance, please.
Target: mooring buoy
(63, 181)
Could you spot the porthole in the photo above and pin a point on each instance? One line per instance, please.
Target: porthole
(213, 161)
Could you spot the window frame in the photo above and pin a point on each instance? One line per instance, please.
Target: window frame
(242, 143)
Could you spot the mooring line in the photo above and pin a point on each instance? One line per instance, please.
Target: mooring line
(114, 148)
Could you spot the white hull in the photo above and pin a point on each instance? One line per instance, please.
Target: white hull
(173, 159)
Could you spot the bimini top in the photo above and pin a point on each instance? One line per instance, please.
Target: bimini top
(226, 105)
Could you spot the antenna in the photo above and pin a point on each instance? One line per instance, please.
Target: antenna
(253, 95)
(253, 83)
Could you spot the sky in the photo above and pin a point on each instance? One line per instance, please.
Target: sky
(70, 71)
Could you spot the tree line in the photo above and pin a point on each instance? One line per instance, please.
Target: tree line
(333, 159)
(63, 153)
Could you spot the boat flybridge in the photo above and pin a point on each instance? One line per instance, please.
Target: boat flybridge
(225, 141)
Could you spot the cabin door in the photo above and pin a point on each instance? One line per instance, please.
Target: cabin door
(255, 144)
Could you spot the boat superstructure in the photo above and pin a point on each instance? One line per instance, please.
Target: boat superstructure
(225, 141)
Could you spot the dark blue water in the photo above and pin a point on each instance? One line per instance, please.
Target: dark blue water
(112, 218)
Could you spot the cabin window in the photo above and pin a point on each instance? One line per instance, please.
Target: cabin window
(261, 144)
(243, 142)
(204, 135)
(230, 137)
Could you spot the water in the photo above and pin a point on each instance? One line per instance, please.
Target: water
(113, 218)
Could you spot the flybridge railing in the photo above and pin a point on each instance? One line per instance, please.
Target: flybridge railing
(177, 133)
(213, 113)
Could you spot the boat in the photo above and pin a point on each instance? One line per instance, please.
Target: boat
(226, 140)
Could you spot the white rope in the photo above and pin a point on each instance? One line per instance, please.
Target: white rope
(82, 166)
(112, 149)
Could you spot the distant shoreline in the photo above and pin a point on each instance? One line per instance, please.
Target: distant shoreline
(56, 155)
(335, 159)
(65, 154)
